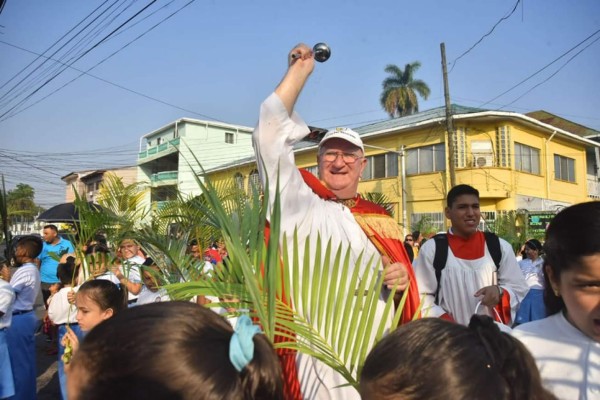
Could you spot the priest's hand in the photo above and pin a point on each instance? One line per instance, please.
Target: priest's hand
(395, 275)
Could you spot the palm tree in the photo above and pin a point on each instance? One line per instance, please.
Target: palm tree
(399, 96)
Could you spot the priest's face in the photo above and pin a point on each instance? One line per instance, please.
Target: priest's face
(341, 175)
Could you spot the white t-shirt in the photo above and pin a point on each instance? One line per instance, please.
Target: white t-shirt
(60, 311)
(26, 284)
(533, 271)
(568, 360)
(131, 270)
(147, 296)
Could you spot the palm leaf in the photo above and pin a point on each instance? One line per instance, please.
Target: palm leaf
(325, 306)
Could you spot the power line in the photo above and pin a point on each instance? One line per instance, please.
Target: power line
(541, 69)
(484, 36)
(109, 82)
(556, 72)
(77, 59)
(80, 43)
(50, 57)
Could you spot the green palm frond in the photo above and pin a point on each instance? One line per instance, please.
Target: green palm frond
(381, 200)
(123, 201)
(328, 308)
(325, 306)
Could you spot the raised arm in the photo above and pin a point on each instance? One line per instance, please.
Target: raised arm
(278, 129)
(300, 65)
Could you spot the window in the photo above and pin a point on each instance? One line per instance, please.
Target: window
(460, 148)
(527, 158)
(254, 182)
(229, 137)
(381, 166)
(564, 168)
(158, 140)
(426, 159)
(239, 181)
(502, 146)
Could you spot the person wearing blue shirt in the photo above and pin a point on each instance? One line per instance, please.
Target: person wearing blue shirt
(54, 248)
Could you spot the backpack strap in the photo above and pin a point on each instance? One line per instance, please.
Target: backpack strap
(439, 260)
(492, 242)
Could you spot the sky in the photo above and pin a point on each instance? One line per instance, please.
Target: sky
(218, 60)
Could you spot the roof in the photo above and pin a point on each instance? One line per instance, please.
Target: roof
(559, 122)
(89, 173)
(199, 122)
(427, 116)
(438, 114)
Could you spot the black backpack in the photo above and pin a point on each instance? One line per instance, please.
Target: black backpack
(492, 242)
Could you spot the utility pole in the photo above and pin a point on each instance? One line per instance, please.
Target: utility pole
(449, 123)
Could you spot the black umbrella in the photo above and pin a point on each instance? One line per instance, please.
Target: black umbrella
(65, 212)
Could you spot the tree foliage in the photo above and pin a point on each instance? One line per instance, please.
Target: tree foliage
(20, 203)
(400, 90)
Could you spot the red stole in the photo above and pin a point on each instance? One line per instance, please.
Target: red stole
(382, 231)
(287, 357)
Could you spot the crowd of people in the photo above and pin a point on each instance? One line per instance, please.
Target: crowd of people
(477, 323)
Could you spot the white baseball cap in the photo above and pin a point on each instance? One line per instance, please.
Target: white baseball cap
(346, 134)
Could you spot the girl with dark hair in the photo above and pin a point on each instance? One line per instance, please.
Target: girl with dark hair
(432, 358)
(532, 307)
(175, 350)
(96, 300)
(566, 345)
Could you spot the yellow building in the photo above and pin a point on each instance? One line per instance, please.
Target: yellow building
(515, 161)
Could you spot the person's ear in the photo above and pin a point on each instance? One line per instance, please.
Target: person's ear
(364, 163)
(107, 314)
(554, 281)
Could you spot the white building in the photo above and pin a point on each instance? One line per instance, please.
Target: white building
(169, 155)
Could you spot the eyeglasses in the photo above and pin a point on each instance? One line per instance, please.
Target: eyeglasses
(331, 156)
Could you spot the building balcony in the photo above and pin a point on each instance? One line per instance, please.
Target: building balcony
(164, 178)
(159, 150)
